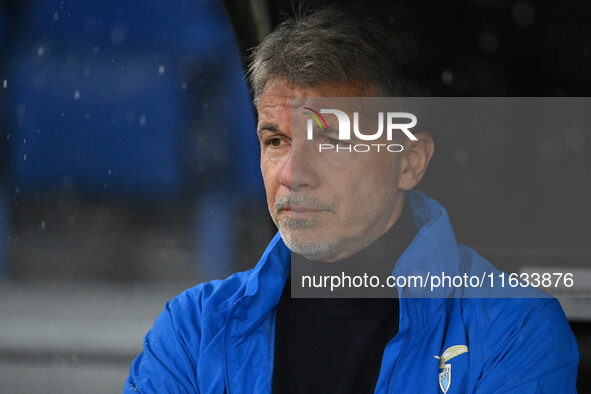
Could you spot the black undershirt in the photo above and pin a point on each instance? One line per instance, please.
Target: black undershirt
(335, 345)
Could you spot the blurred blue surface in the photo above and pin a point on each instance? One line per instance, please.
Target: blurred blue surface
(105, 93)
(137, 101)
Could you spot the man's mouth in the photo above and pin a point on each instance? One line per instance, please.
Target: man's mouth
(300, 212)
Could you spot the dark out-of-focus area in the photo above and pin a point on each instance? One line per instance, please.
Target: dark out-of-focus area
(129, 161)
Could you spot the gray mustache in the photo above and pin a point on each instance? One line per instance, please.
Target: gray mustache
(301, 200)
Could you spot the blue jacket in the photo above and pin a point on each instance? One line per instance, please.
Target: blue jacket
(218, 336)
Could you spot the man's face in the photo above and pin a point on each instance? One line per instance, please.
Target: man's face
(327, 205)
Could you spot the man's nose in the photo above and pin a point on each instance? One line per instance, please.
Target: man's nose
(299, 172)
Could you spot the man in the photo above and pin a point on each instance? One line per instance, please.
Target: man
(246, 334)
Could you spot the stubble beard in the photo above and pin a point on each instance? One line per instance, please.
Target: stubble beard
(298, 237)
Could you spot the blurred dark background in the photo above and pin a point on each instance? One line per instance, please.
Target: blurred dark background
(129, 161)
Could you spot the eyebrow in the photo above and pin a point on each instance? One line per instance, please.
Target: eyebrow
(272, 127)
(331, 130)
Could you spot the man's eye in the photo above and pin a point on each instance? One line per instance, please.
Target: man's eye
(274, 141)
(334, 141)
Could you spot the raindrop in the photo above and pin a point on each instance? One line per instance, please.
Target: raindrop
(161, 69)
(118, 34)
(56, 16)
(183, 85)
(142, 120)
(21, 111)
(43, 225)
(109, 171)
(523, 14)
(76, 95)
(447, 77)
(5, 84)
(25, 157)
(95, 49)
(488, 43)
(40, 50)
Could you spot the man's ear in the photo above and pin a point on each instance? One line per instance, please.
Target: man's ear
(414, 160)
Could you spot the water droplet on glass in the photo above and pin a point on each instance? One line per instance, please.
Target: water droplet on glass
(118, 34)
(447, 77)
(488, 43)
(523, 15)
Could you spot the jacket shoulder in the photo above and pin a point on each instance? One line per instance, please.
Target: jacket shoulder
(519, 336)
(185, 327)
(208, 302)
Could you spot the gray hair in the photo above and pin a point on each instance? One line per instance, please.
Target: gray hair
(331, 45)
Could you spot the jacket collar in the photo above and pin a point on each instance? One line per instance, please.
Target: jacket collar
(434, 249)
